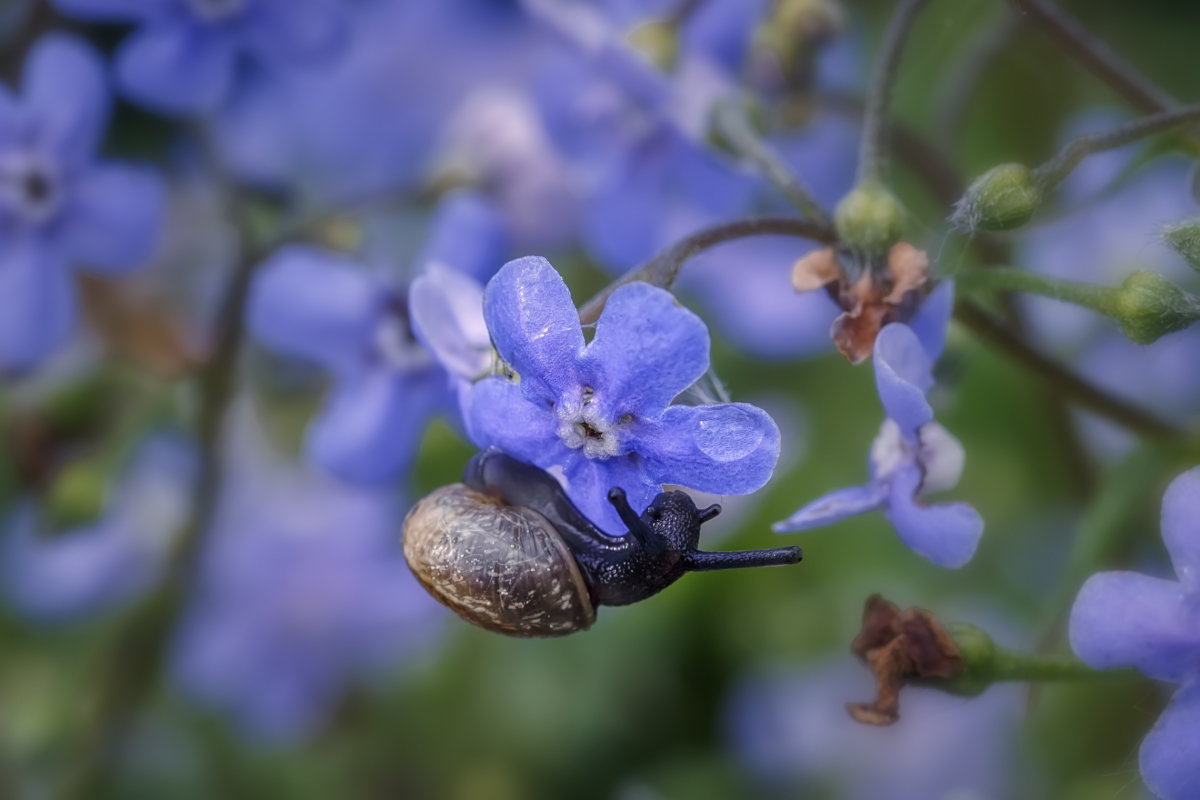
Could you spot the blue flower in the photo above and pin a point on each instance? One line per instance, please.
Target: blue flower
(301, 590)
(1125, 619)
(601, 411)
(59, 208)
(185, 55)
(356, 324)
(912, 454)
(90, 570)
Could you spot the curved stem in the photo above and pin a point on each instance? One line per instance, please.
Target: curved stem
(664, 267)
(1095, 55)
(1101, 299)
(870, 157)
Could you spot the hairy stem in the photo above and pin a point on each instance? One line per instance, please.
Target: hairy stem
(1100, 299)
(663, 269)
(1095, 55)
(875, 114)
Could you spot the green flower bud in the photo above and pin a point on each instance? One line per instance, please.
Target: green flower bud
(1185, 238)
(869, 219)
(77, 495)
(1003, 198)
(658, 41)
(1147, 306)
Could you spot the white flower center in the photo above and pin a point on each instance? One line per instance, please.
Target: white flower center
(581, 426)
(940, 455)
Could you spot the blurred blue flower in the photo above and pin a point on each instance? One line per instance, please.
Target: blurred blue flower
(302, 590)
(1125, 619)
(602, 412)
(913, 454)
(90, 570)
(58, 207)
(185, 55)
(357, 324)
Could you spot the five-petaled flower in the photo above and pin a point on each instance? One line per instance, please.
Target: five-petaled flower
(1125, 619)
(912, 455)
(601, 412)
(57, 206)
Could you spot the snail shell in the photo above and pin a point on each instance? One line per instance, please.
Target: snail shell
(502, 567)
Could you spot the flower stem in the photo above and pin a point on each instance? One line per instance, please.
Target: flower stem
(875, 114)
(1100, 299)
(663, 269)
(1094, 55)
(731, 124)
(1062, 380)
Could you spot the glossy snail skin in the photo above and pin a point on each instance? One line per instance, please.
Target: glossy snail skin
(507, 550)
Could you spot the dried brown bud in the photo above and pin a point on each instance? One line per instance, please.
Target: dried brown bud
(899, 646)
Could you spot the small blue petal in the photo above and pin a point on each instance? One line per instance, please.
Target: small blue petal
(467, 235)
(176, 69)
(647, 349)
(296, 30)
(945, 533)
(589, 480)
(115, 217)
(834, 507)
(65, 86)
(933, 318)
(1181, 527)
(499, 415)
(624, 214)
(39, 302)
(722, 449)
(315, 305)
(1124, 619)
(371, 427)
(446, 310)
(902, 376)
(1170, 756)
(535, 326)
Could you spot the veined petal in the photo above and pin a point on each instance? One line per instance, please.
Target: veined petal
(39, 302)
(64, 83)
(446, 309)
(176, 69)
(834, 507)
(1124, 619)
(1181, 527)
(316, 305)
(945, 533)
(468, 235)
(1170, 756)
(535, 326)
(115, 217)
(933, 318)
(723, 449)
(499, 415)
(902, 376)
(370, 429)
(589, 480)
(647, 349)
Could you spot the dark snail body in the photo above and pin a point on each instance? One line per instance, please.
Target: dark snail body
(507, 550)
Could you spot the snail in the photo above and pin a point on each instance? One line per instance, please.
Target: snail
(507, 549)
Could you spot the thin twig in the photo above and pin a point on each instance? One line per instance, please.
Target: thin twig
(664, 267)
(875, 114)
(1096, 56)
(1078, 390)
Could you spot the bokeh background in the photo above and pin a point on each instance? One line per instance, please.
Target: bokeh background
(304, 661)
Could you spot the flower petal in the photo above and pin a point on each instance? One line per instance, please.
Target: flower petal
(64, 83)
(589, 480)
(1181, 527)
(316, 305)
(933, 318)
(1124, 619)
(446, 309)
(902, 376)
(115, 217)
(116, 10)
(834, 507)
(1170, 756)
(297, 30)
(647, 350)
(370, 429)
(945, 533)
(499, 415)
(729, 448)
(176, 69)
(467, 235)
(534, 326)
(39, 302)
(623, 219)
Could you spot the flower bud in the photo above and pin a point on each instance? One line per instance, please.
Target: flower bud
(1184, 237)
(1003, 198)
(77, 495)
(658, 41)
(1148, 306)
(869, 220)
